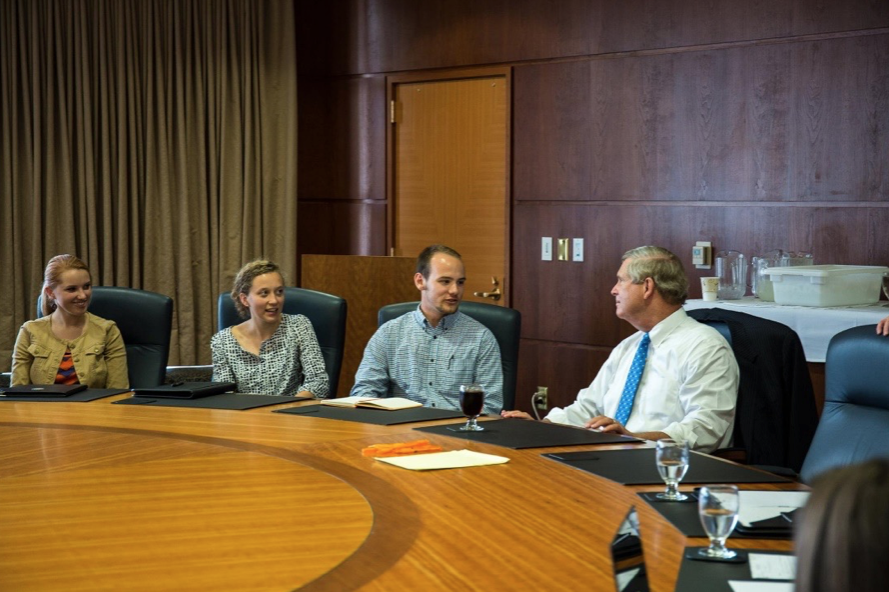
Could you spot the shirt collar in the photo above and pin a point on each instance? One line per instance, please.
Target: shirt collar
(660, 331)
(446, 322)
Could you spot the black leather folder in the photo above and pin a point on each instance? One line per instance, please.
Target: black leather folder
(638, 467)
(230, 401)
(42, 390)
(520, 433)
(684, 516)
(373, 416)
(185, 390)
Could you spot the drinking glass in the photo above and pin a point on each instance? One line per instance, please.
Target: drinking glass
(718, 509)
(472, 399)
(672, 463)
(886, 285)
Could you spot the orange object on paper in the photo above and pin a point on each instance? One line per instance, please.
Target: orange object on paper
(401, 448)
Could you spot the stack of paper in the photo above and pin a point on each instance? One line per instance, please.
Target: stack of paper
(762, 505)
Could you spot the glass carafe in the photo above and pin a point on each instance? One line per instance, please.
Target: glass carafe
(760, 283)
(731, 269)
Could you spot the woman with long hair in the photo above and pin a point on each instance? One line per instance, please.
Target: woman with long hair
(68, 345)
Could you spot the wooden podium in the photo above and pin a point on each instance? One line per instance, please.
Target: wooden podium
(367, 284)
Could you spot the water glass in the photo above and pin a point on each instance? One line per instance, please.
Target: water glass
(718, 507)
(672, 463)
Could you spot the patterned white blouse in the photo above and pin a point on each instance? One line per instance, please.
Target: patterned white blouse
(289, 361)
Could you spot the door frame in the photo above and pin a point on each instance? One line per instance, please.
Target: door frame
(439, 76)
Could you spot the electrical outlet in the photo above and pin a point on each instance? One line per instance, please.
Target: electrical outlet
(541, 400)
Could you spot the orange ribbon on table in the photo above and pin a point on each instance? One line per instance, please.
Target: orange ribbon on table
(401, 448)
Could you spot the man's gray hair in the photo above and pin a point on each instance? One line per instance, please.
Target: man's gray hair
(663, 267)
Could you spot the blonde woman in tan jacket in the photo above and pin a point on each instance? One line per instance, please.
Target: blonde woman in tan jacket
(68, 345)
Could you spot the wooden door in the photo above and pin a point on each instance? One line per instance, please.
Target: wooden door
(449, 142)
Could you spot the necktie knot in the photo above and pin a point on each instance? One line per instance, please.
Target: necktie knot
(625, 406)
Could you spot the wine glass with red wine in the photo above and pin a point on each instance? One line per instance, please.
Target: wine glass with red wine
(472, 400)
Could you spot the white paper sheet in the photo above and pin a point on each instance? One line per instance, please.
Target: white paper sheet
(748, 586)
(455, 459)
(772, 567)
(761, 505)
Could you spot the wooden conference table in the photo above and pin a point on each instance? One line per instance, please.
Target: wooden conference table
(95, 496)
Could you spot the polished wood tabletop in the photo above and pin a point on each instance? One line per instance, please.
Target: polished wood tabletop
(96, 496)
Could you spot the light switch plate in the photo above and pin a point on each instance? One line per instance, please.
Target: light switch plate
(577, 250)
(546, 248)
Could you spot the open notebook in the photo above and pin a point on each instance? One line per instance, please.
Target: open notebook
(389, 403)
(626, 554)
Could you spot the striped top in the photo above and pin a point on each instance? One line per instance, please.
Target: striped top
(66, 373)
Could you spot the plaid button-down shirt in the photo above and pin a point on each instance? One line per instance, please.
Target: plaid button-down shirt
(408, 357)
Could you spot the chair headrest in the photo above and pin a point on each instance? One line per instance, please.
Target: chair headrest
(857, 368)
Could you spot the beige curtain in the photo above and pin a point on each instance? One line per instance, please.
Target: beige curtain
(154, 139)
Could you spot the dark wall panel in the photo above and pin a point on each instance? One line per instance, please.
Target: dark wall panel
(563, 368)
(374, 36)
(342, 138)
(553, 136)
(341, 228)
(804, 121)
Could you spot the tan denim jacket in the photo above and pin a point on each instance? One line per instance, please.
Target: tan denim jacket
(99, 355)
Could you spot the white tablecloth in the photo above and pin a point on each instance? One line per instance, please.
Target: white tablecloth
(815, 326)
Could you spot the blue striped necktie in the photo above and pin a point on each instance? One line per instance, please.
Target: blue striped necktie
(632, 385)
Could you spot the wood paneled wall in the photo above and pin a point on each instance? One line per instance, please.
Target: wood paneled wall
(755, 125)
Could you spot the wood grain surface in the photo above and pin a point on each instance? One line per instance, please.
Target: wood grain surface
(96, 496)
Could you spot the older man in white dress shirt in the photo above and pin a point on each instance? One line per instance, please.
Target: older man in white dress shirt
(676, 378)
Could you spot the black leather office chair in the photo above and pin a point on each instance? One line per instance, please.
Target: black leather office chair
(327, 313)
(775, 415)
(854, 425)
(504, 323)
(145, 320)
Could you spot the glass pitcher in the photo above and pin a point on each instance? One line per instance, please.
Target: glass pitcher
(731, 269)
(760, 284)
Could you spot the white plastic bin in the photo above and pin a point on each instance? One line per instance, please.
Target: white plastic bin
(827, 285)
